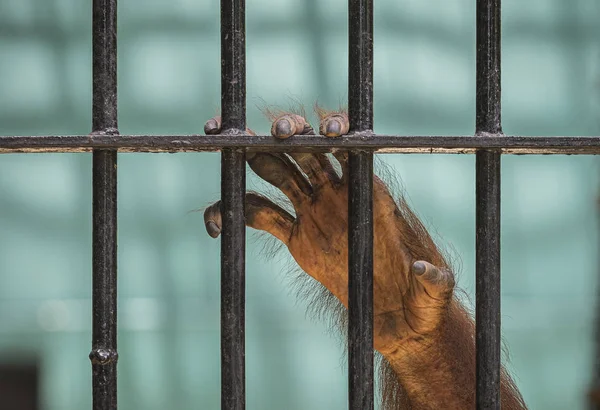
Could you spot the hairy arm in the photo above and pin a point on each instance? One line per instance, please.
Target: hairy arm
(438, 371)
(419, 326)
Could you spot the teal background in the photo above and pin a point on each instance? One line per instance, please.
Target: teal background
(169, 83)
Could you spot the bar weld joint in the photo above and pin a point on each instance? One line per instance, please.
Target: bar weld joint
(104, 356)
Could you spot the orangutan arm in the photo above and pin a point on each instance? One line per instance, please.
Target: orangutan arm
(439, 370)
(418, 326)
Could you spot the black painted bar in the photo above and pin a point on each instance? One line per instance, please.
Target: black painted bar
(487, 289)
(487, 286)
(488, 109)
(360, 208)
(302, 143)
(233, 189)
(104, 208)
(360, 65)
(233, 281)
(104, 295)
(360, 284)
(594, 392)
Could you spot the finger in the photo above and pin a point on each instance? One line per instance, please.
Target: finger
(317, 168)
(438, 282)
(281, 172)
(213, 126)
(334, 124)
(261, 214)
(288, 124)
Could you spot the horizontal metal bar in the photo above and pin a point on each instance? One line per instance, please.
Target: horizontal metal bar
(311, 143)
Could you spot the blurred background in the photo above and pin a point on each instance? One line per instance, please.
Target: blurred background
(169, 67)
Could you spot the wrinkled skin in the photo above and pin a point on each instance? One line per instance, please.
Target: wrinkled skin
(419, 326)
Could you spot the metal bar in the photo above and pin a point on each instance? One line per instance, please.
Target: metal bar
(594, 392)
(487, 288)
(233, 281)
(488, 93)
(360, 208)
(104, 295)
(233, 187)
(360, 281)
(104, 209)
(378, 143)
(360, 65)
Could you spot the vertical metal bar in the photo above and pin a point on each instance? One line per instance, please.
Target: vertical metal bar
(360, 287)
(488, 85)
(488, 121)
(104, 294)
(594, 392)
(360, 65)
(360, 209)
(233, 187)
(487, 309)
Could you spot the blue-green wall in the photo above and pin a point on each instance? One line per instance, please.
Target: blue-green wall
(169, 268)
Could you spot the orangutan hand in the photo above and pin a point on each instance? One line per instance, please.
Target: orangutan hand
(412, 285)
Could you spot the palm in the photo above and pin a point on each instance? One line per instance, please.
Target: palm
(319, 244)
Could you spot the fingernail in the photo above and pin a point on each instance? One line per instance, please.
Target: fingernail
(333, 128)
(211, 127)
(418, 268)
(213, 229)
(283, 128)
